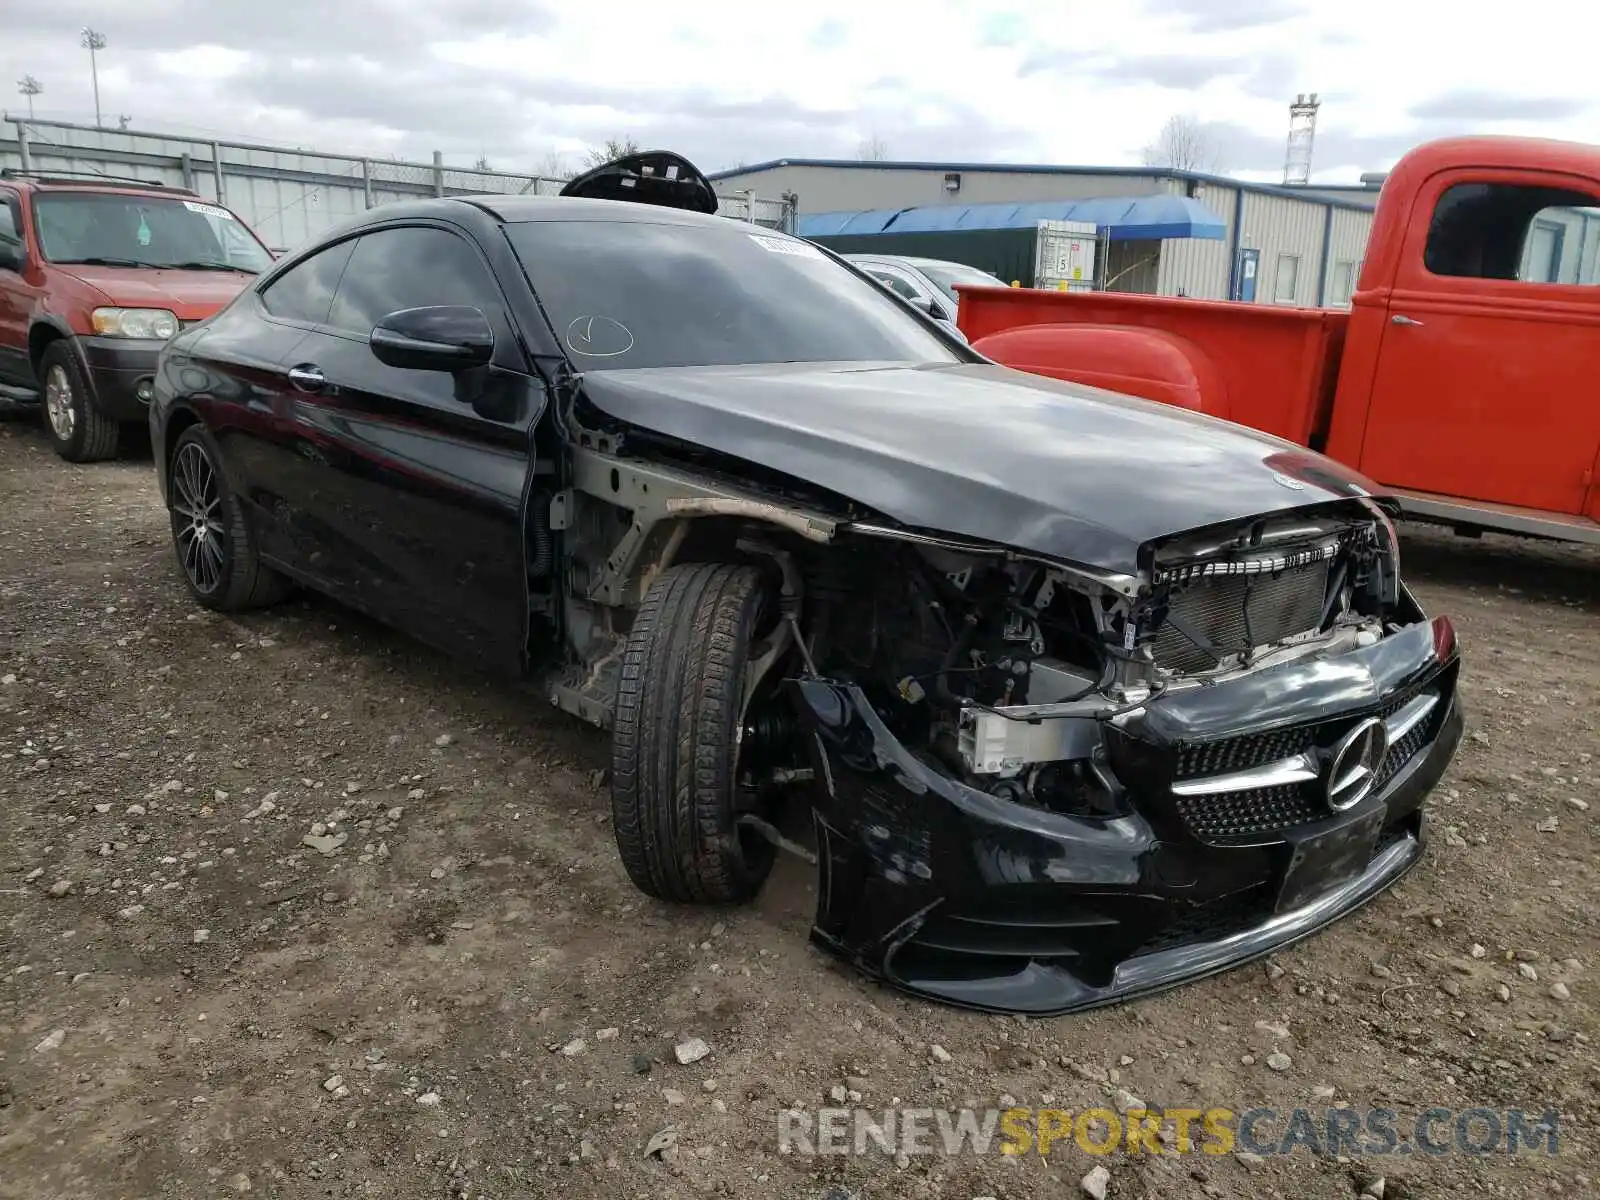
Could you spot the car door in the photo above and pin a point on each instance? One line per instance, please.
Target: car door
(16, 295)
(410, 499)
(235, 370)
(1484, 386)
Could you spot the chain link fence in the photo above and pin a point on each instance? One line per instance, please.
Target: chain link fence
(286, 195)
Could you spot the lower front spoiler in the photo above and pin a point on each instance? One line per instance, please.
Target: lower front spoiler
(1043, 988)
(964, 897)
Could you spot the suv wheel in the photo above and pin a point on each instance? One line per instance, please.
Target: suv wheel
(79, 431)
(675, 748)
(210, 533)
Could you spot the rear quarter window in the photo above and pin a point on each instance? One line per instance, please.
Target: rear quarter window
(305, 291)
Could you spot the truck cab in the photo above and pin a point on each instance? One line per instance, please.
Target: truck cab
(1461, 379)
(1468, 376)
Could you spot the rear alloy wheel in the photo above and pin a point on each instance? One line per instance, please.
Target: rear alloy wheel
(79, 431)
(699, 650)
(210, 534)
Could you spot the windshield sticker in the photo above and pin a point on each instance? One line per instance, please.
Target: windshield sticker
(785, 246)
(599, 337)
(209, 210)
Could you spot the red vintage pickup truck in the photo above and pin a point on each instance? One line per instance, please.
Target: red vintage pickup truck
(1465, 377)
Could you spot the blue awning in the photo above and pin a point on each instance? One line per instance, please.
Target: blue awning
(1122, 218)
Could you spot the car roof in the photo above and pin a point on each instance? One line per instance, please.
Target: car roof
(60, 187)
(516, 210)
(946, 262)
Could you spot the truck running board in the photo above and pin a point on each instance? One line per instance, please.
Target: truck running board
(1499, 518)
(20, 396)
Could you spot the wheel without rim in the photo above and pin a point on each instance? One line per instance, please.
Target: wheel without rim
(210, 533)
(676, 737)
(79, 431)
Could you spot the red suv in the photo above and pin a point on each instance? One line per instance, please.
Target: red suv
(95, 276)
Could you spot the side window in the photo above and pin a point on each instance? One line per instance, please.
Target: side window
(1513, 232)
(1286, 284)
(10, 230)
(898, 284)
(305, 291)
(410, 268)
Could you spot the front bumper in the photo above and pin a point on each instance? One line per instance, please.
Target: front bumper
(117, 369)
(954, 894)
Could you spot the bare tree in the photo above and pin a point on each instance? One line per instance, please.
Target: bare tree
(872, 149)
(553, 166)
(609, 149)
(482, 164)
(1184, 144)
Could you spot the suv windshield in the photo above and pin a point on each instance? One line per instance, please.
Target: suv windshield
(635, 293)
(144, 231)
(947, 274)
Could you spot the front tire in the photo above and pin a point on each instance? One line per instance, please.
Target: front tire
(675, 737)
(210, 534)
(79, 431)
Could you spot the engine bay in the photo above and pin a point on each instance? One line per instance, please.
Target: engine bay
(1002, 670)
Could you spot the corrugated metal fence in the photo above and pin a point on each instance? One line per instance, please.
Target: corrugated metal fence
(287, 196)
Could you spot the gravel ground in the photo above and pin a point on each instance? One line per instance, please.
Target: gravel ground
(292, 906)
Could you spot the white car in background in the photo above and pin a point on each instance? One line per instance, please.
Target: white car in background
(929, 283)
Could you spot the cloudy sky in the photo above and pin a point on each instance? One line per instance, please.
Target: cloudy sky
(517, 81)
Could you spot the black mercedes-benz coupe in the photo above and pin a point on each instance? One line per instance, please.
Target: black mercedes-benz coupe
(1083, 695)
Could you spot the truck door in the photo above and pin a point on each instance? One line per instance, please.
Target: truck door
(1485, 379)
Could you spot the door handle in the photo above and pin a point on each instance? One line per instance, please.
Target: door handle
(307, 378)
(1402, 319)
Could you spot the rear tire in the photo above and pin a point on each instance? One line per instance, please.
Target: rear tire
(675, 738)
(216, 552)
(79, 431)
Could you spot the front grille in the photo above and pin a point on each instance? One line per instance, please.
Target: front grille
(1231, 815)
(1242, 753)
(1227, 818)
(1238, 612)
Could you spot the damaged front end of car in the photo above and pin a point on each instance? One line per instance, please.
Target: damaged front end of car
(1041, 788)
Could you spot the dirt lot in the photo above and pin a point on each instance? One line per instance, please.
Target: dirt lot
(181, 977)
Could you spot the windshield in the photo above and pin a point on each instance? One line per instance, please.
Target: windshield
(625, 294)
(946, 274)
(144, 231)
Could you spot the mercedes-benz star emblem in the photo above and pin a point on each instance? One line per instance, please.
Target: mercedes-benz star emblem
(1356, 762)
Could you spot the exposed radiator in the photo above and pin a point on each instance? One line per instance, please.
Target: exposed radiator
(1239, 612)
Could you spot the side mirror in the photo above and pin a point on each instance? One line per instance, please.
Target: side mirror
(453, 337)
(11, 256)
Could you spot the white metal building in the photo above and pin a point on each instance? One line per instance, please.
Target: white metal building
(1280, 245)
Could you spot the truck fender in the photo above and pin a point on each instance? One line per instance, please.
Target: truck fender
(1135, 361)
(47, 328)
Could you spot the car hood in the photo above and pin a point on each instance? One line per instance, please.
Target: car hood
(983, 451)
(188, 295)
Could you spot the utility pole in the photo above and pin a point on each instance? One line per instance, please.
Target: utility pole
(29, 87)
(92, 40)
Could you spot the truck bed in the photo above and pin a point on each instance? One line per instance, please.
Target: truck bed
(1271, 368)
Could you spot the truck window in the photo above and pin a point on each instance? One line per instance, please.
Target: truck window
(1514, 232)
(9, 233)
